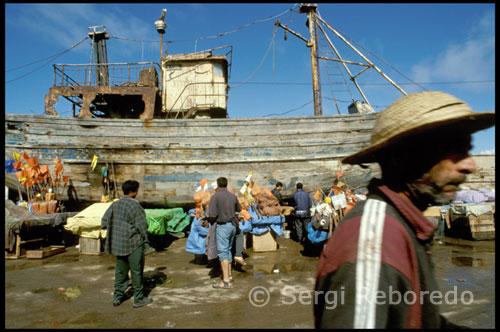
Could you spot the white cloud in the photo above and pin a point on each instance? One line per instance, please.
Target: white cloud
(492, 151)
(471, 60)
(66, 24)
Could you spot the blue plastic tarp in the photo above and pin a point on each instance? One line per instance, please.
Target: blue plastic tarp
(262, 225)
(258, 225)
(196, 242)
(474, 196)
(316, 236)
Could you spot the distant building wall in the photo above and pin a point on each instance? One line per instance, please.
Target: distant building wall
(484, 177)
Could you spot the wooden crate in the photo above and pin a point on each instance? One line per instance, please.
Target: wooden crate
(89, 246)
(264, 242)
(482, 227)
(45, 252)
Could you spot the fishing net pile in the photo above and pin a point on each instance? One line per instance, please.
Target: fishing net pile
(267, 203)
(262, 201)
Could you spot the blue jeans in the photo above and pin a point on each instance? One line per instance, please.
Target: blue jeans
(224, 237)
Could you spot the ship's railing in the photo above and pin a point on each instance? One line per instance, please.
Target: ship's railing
(114, 74)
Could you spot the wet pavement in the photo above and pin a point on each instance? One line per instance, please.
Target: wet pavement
(72, 290)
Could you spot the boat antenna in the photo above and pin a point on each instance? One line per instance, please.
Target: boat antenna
(160, 27)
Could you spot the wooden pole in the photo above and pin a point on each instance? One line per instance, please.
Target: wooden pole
(107, 180)
(19, 191)
(115, 189)
(314, 62)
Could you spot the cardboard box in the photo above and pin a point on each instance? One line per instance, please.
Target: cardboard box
(264, 242)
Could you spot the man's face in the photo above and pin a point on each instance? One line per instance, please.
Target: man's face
(451, 163)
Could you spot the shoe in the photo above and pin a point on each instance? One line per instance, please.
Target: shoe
(225, 285)
(240, 261)
(149, 250)
(117, 302)
(142, 302)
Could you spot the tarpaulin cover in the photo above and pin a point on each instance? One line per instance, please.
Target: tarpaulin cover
(261, 225)
(87, 223)
(464, 210)
(316, 235)
(197, 239)
(474, 196)
(161, 221)
(18, 220)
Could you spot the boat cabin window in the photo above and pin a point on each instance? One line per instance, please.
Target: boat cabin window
(218, 70)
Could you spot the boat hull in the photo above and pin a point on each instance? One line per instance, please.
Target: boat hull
(170, 157)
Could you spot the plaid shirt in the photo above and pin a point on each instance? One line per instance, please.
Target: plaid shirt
(127, 227)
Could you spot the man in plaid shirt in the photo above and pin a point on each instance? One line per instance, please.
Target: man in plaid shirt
(126, 225)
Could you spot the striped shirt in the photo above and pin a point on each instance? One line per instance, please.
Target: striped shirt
(126, 225)
(379, 251)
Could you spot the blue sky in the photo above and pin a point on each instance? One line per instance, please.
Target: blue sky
(445, 47)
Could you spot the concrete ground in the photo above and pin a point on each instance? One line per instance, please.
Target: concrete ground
(71, 290)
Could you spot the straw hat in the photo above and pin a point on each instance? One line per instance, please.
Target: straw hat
(415, 114)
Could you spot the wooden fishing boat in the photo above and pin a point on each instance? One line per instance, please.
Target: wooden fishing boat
(170, 157)
(176, 140)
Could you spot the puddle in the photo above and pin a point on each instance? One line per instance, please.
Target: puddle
(466, 261)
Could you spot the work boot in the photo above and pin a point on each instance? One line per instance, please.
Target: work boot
(142, 302)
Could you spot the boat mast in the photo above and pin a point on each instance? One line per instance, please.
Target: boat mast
(314, 19)
(310, 10)
(362, 56)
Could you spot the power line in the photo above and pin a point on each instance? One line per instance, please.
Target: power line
(295, 109)
(339, 83)
(213, 36)
(51, 59)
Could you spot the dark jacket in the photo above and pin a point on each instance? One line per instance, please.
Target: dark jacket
(303, 203)
(277, 194)
(394, 258)
(126, 227)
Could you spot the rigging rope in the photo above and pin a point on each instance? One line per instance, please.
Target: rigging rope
(373, 54)
(51, 59)
(261, 62)
(295, 109)
(213, 36)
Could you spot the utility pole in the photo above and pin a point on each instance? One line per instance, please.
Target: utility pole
(310, 10)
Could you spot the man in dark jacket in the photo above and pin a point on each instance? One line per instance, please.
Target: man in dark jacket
(303, 206)
(126, 227)
(277, 192)
(378, 261)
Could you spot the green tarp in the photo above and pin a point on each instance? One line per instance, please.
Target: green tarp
(161, 221)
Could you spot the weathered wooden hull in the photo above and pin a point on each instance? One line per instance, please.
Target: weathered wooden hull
(170, 157)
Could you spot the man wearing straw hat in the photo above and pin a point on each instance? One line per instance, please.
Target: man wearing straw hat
(378, 262)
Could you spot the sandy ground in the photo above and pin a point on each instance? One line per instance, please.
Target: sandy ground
(71, 290)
